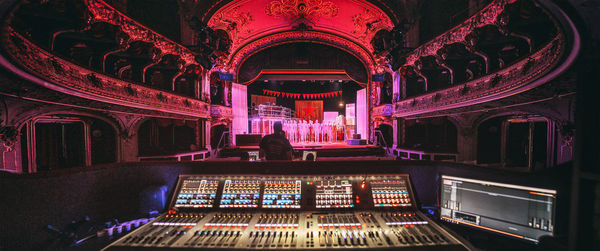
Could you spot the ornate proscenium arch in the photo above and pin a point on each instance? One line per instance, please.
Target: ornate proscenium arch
(253, 47)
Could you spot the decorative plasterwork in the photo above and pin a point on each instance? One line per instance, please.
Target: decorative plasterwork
(298, 36)
(488, 15)
(102, 12)
(513, 79)
(310, 9)
(368, 22)
(343, 18)
(219, 111)
(235, 22)
(385, 110)
(72, 79)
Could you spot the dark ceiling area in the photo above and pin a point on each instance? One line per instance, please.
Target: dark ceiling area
(432, 17)
(302, 56)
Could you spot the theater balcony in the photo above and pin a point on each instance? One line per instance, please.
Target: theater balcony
(507, 64)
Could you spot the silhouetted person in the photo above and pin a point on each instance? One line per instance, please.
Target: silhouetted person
(310, 157)
(275, 146)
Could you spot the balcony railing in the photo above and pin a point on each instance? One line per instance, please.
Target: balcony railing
(187, 156)
(534, 69)
(219, 111)
(488, 15)
(412, 154)
(70, 78)
(271, 111)
(513, 79)
(384, 110)
(102, 12)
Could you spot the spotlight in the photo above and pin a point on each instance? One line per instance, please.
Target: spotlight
(341, 104)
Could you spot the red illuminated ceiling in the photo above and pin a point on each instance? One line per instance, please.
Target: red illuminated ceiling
(249, 20)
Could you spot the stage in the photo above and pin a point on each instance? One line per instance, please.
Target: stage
(338, 149)
(337, 145)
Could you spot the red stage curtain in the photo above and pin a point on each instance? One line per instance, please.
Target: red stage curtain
(309, 110)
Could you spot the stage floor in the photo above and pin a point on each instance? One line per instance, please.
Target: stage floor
(338, 145)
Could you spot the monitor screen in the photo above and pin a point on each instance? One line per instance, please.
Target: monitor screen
(518, 211)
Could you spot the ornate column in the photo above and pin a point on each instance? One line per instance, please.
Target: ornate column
(127, 145)
(198, 133)
(395, 135)
(207, 126)
(466, 138)
(204, 93)
(227, 94)
(378, 89)
(396, 88)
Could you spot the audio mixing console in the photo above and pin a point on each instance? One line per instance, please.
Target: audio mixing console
(291, 212)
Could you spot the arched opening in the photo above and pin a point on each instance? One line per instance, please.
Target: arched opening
(489, 134)
(59, 144)
(86, 47)
(312, 86)
(161, 74)
(103, 142)
(130, 64)
(431, 135)
(166, 136)
(185, 84)
(60, 141)
(522, 142)
(415, 83)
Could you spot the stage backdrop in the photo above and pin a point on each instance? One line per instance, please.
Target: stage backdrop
(310, 110)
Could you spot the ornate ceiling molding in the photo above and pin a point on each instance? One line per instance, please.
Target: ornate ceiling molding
(249, 49)
(310, 9)
(355, 20)
(368, 22)
(236, 23)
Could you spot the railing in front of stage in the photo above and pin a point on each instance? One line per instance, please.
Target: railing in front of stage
(271, 111)
(403, 153)
(187, 156)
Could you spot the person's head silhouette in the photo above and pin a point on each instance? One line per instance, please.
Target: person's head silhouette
(275, 146)
(277, 127)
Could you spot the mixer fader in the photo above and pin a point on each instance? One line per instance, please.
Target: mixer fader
(288, 212)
